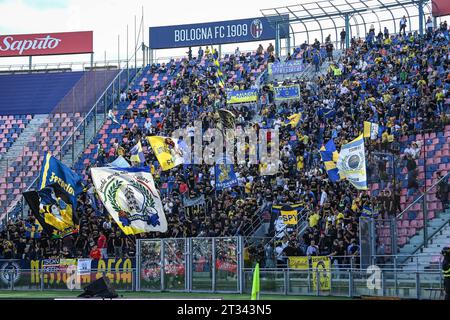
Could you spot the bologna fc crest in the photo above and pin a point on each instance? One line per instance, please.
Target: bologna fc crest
(9, 272)
(256, 28)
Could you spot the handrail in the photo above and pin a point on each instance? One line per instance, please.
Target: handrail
(422, 195)
(258, 222)
(137, 75)
(82, 122)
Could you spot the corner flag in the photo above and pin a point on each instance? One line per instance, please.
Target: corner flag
(255, 287)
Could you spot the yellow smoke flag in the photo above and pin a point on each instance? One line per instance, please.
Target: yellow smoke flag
(371, 130)
(367, 129)
(167, 152)
(294, 119)
(255, 287)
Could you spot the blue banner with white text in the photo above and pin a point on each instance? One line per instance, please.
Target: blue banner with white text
(219, 32)
(242, 96)
(225, 176)
(293, 66)
(287, 92)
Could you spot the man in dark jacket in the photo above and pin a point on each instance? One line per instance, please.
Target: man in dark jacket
(442, 191)
(446, 271)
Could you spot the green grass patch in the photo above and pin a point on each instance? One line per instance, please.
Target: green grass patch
(158, 295)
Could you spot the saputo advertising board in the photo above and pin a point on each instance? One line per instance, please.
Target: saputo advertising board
(46, 44)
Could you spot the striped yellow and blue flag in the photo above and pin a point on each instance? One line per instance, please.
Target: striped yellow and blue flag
(330, 157)
(137, 155)
(33, 231)
(372, 130)
(219, 74)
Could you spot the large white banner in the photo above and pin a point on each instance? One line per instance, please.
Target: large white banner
(131, 198)
(352, 163)
(84, 267)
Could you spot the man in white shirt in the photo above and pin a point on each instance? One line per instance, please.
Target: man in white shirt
(403, 22)
(429, 26)
(277, 123)
(148, 126)
(413, 150)
(112, 117)
(313, 249)
(323, 197)
(107, 225)
(191, 132)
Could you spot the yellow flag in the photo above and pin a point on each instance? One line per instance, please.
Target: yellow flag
(255, 287)
(167, 151)
(367, 126)
(295, 119)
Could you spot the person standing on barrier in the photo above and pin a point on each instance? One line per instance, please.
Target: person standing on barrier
(446, 271)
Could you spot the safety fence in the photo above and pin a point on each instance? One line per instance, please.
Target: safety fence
(310, 282)
(224, 265)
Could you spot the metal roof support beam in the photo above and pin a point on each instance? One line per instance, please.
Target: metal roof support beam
(362, 17)
(392, 15)
(404, 8)
(347, 31)
(376, 15)
(311, 15)
(277, 39)
(334, 23)
(421, 17)
(277, 35)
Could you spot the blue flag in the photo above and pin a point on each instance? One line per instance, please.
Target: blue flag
(330, 157)
(137, 155)
(225, 176)
(54, 171)
(120, 162)
(367, 212)
(326, 112)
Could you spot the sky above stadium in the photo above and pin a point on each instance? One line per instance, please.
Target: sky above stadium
(109, 18)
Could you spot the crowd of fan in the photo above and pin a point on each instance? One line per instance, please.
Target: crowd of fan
(400, 81)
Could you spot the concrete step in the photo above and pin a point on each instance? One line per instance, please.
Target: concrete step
(16, 149)
(69, 159)
(437, 221)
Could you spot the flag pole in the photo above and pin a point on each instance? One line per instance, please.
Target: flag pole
(256, 283)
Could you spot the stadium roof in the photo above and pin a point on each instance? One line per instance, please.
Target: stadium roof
(326, 14)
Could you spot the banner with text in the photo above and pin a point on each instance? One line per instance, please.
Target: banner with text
(321, 268)
(46, 44)
(293, 66)
(54, 271)
(219, 32)
(242, 96)
(287, 92)
(298, 263)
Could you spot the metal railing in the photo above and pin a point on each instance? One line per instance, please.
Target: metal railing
(67, 280)
(213, 265)
(347, 283)
(422, 199)
(285, 281)
(84, 130)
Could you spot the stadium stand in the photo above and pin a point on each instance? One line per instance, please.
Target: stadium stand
(393, 80)
(39, 93)
(52, 97)
(10, 129)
